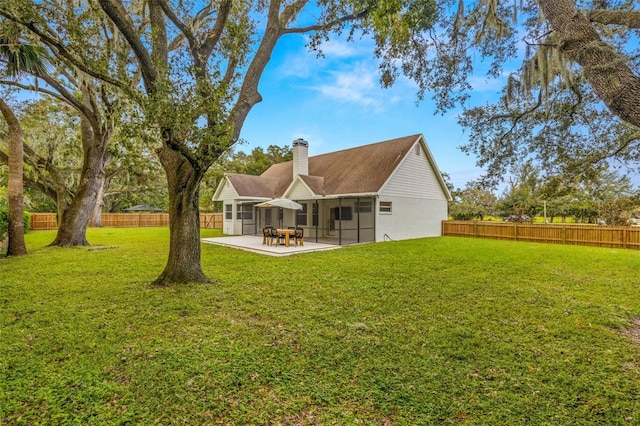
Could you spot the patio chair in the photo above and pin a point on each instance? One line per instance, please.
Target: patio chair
(267, 235)
(279, 238)
(298, 237)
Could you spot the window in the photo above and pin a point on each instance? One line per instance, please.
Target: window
(301, 215)
(244, 212)
(385, 207)
(228, 211)
(343, 213)
(363, 207)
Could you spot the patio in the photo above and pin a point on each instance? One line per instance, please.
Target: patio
(254, 244)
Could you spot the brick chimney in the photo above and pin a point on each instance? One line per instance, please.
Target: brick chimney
(300, 157)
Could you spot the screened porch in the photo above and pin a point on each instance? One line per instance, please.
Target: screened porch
(342, 221)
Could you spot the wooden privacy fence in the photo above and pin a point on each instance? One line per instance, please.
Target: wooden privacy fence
(599, 236)
(127, 220)
(133, 220)
(211, 220)
(43, 221)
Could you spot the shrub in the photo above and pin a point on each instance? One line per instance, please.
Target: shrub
(4, 222)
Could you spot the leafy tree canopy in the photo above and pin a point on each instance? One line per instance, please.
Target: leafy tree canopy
(472, 202)
(573, 104)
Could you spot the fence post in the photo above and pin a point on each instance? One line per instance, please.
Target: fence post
(515, 231)
(475, 229)
(564, 234)
(624, 237)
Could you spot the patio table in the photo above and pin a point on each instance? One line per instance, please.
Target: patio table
(287, 235)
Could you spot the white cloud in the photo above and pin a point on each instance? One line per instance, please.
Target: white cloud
(357, 85)
(338, 49)
(302, 63)
(295, 65)
(353, 86)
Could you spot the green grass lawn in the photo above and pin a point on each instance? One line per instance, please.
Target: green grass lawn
(431, 331)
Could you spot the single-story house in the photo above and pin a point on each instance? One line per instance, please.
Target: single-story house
(389, 190)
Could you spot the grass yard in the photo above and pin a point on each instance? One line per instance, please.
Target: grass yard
(432, 331)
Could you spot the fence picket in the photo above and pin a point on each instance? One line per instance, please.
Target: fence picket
(41, 221)
(600, 236)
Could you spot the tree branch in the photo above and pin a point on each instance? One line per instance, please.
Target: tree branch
(159, 41)
(624, 144)
(629, 19)
(32, 88)
(515, 120)
(199, 62)
(49, 38)
(606, 70)
(184, 29)
(118, 14)
(249, 95)
(216, 32)
(326, 26)
(72, 100)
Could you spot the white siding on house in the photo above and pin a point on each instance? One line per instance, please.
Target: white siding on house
(228, 193)
(411, 218)
(414, 177)
(299, 191)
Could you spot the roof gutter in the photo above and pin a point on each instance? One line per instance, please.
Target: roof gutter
(360, 195)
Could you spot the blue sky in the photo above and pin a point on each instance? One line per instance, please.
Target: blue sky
(336, 102)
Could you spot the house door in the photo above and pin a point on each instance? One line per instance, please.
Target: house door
(332, 221)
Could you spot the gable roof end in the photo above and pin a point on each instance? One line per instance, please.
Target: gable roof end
(432, 164)
(251, 186)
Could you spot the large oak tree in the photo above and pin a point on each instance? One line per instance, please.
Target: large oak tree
(94, 101)
(573, 105)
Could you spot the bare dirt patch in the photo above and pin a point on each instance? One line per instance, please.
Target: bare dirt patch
(633, 332)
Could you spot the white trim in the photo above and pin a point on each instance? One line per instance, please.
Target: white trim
(354, 195)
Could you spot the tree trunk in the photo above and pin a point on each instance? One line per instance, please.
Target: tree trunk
(183, 264)
(72, 225)
(16, 245)
(96, 216)
(606, 70)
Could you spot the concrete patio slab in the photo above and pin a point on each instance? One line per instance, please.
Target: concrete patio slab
(254, 244)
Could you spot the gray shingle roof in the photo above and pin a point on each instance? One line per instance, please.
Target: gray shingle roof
(359, 170)
(253, 186)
